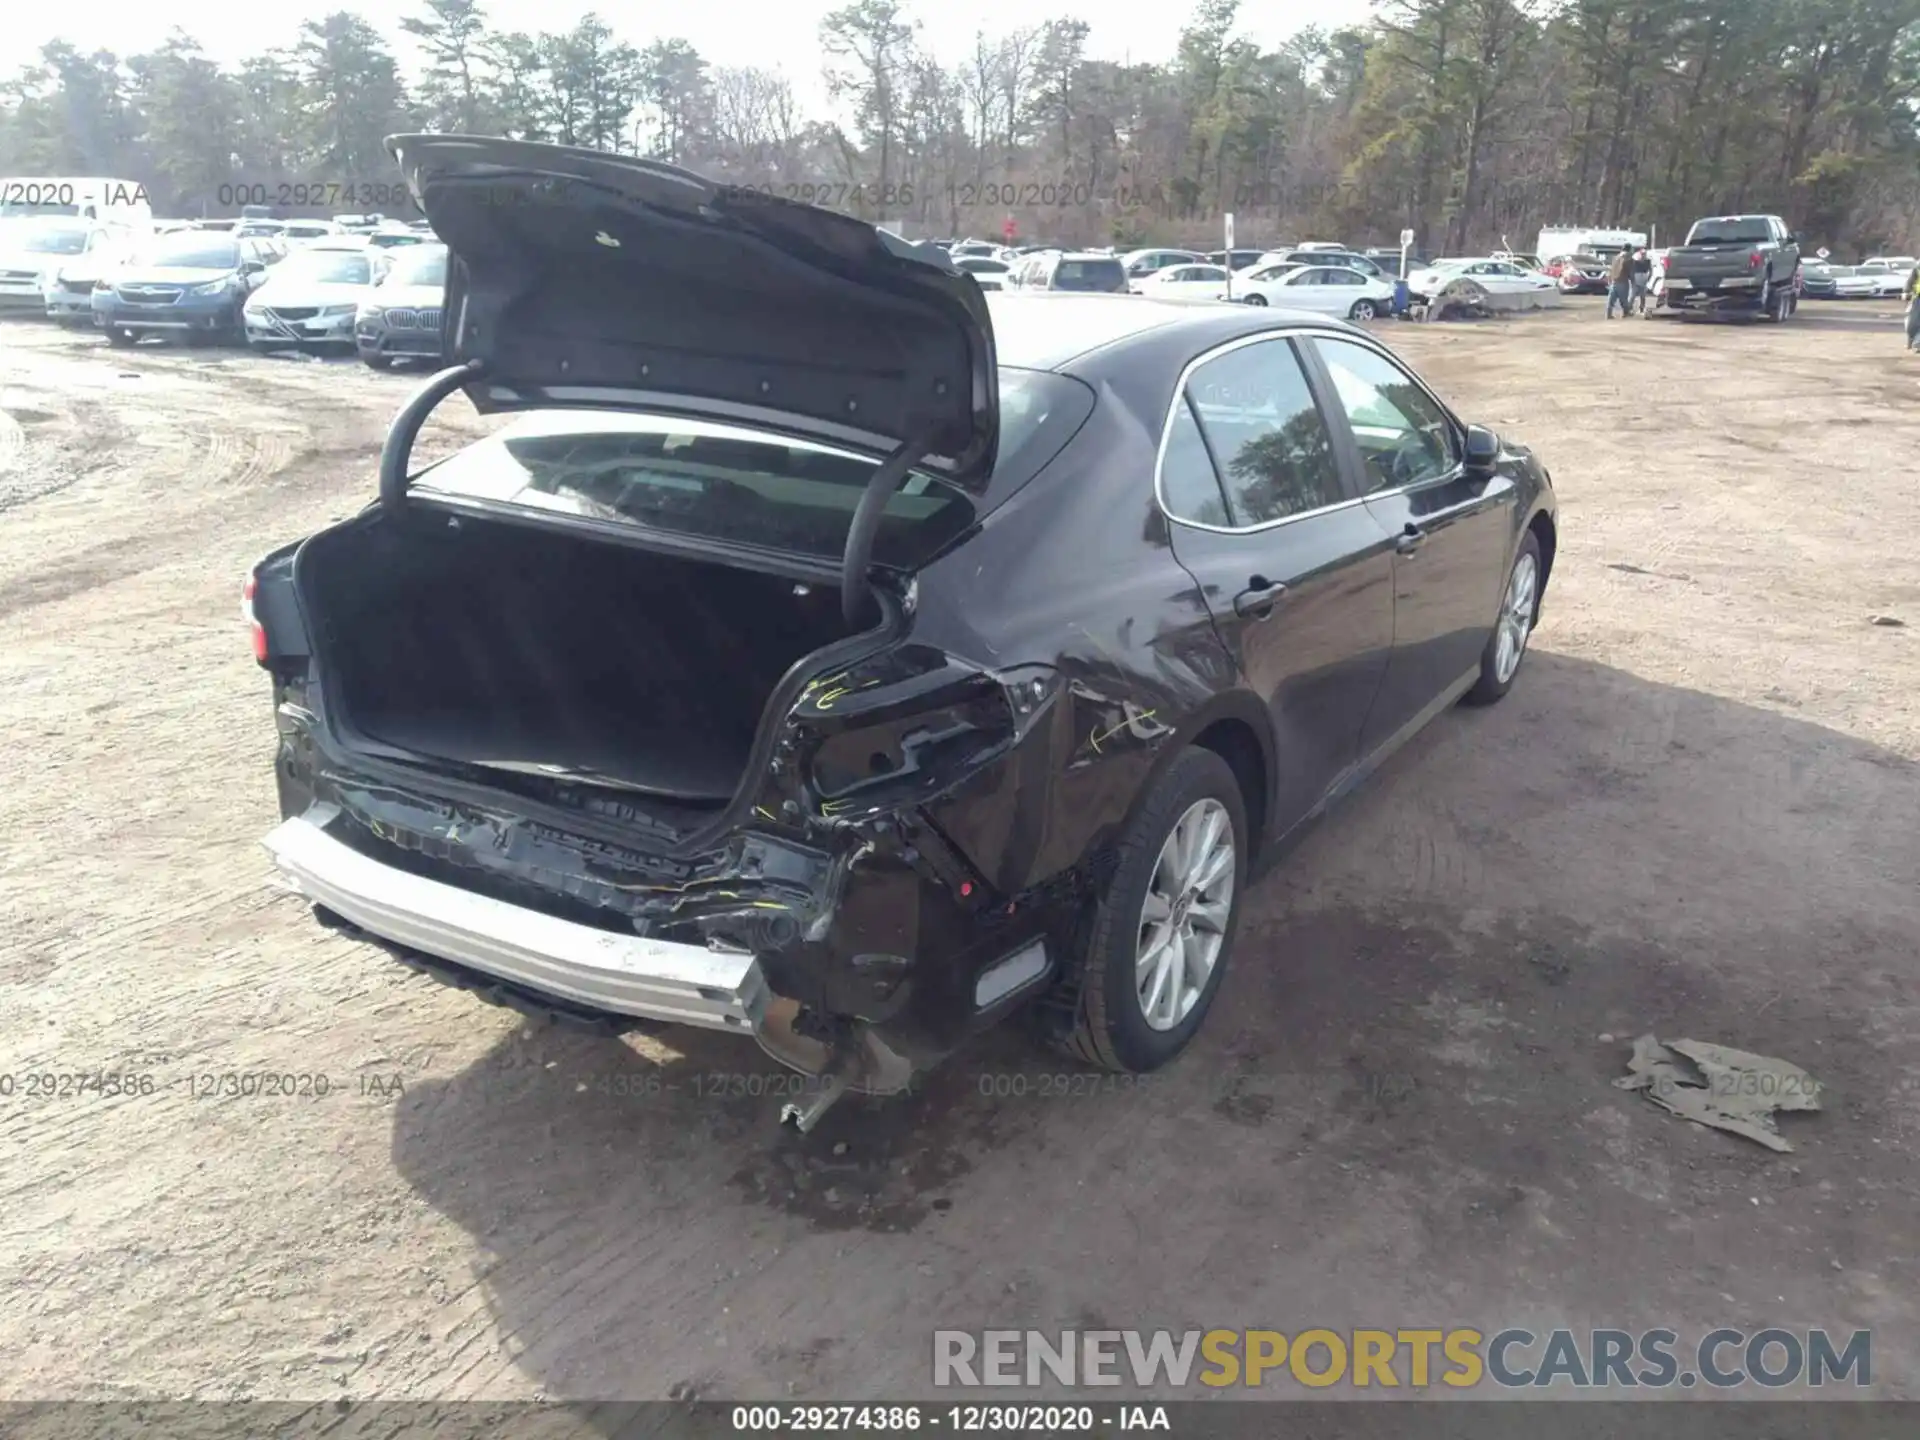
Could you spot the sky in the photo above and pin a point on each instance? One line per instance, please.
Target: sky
(775, 36)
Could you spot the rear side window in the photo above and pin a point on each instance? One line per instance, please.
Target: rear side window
(1102, 275)
(1274, 450)
(1189, 486)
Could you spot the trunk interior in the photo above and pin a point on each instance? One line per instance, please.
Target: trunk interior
(545, 654)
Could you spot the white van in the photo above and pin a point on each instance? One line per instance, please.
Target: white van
(99, 198)
(1557, 242)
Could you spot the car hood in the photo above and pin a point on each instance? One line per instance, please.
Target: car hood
(579, 278)
(166, 275)
(309, 292)
(35, 260)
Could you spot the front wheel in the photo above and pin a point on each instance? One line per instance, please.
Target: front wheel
(377, 362)
(1253, 300)
(1159, 935)
(1363, 310)
(120, 337)
(1519, 613)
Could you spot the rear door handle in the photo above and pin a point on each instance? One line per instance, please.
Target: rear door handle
(1409, 540)
(1257, 601)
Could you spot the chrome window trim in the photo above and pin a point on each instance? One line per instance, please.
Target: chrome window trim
(1282, 332)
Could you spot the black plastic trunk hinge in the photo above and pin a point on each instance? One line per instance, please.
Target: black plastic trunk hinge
(855, 583)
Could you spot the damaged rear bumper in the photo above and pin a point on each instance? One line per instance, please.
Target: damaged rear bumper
(627, 975)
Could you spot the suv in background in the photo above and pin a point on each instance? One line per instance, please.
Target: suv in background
(1141, 263)
(1069, 270)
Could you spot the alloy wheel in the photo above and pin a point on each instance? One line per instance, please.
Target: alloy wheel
(1183, 921)
(1363, 310)
(1516, 618)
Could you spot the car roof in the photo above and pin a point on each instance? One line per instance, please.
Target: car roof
(1051, 329)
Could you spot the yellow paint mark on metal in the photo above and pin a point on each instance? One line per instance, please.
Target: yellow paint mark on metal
(1107, 734)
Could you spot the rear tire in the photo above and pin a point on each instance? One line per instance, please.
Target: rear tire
(1111, 1029)
(1254, 300)
(1519, 613)
(1364, 310)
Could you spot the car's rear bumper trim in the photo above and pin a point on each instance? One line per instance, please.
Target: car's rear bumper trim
(626, 974)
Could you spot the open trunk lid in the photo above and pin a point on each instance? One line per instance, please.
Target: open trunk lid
(586, 279)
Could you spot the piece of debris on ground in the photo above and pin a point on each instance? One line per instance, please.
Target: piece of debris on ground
(1732, 1090)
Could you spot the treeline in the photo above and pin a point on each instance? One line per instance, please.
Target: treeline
(1464, 120)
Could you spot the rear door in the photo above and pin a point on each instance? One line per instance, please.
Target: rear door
(1314, 290)
(1451, 528)
(1297, 573)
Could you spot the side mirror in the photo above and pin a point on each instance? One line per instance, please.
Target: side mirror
(1483, 448)
(251, 267)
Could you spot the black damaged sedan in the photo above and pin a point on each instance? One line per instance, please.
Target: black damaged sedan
(831, 656)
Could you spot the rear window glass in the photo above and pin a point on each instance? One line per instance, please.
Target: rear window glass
(1730, 232)
(704, 478)
(1090, 275)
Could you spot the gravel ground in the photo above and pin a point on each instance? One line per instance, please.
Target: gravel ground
(1696, 815)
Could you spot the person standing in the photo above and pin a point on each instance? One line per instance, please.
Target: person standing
(1642, 277)
(1619, 284)
(1913, 309)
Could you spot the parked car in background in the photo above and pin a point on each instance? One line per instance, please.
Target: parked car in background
(310, 299)
(259, 229)
(991, 274)
(394, 236)
(1886, 275)
(1082, 270)
(1327, 255)
(1583, 274)
(1850, 282)
(1321, 289)
(1388, 260)
(68, 292)
(636, 715)
(1524, 261)
(305, 232)
(1184, 282)
(192, 284)
(400, 319)
(1142, 263)
(33, 250)
(1734, 261)
(1235, 260)
(1818, 280)
(217, 225)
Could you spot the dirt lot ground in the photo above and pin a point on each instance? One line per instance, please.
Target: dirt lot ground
(1696, 815)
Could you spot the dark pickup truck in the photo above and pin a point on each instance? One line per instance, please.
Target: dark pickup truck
(1748, 262)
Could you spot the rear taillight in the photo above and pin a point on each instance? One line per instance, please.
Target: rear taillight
(1753, 261)
(259, 631)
